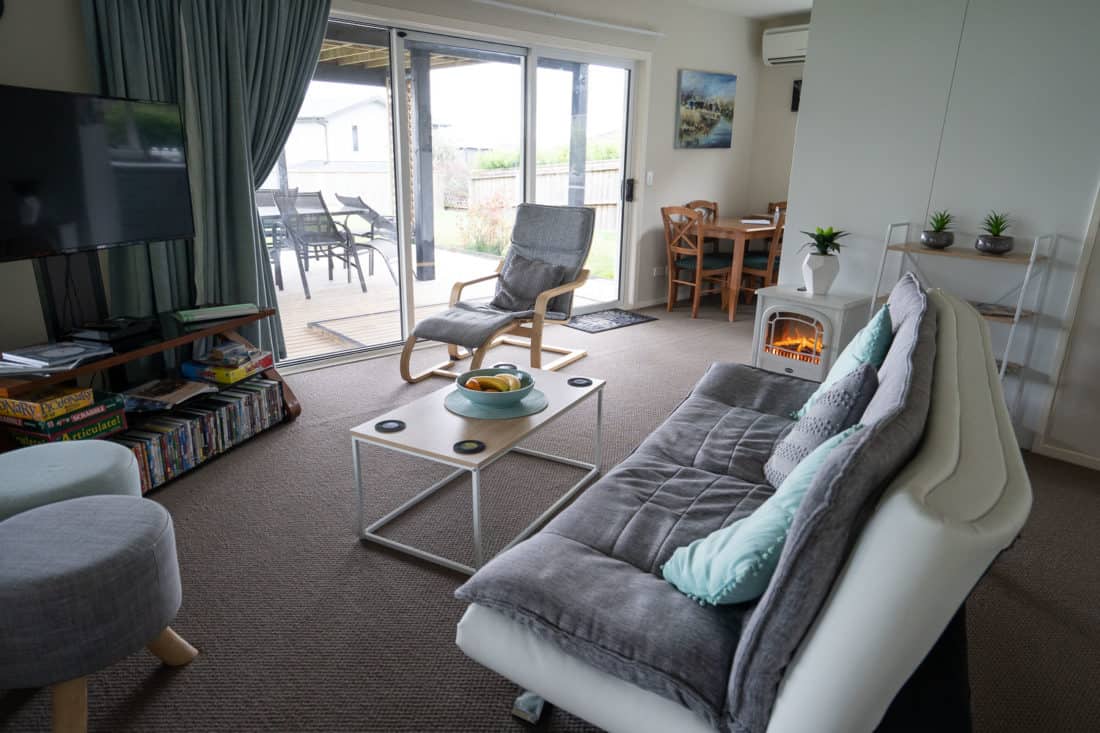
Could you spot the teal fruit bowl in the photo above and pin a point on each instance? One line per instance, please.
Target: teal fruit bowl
(495, 399)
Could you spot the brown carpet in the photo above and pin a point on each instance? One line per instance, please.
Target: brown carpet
(302, 628)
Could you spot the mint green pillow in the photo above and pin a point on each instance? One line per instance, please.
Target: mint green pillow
(869, 346)
(734, 564)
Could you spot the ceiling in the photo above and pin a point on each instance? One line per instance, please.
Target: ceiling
(756, 8)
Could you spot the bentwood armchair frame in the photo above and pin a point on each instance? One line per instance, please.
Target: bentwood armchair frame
(522, 332)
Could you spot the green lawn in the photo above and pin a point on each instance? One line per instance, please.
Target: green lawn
(602, 260)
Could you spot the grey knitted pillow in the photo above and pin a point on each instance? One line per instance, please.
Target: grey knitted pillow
(522, 280)
(837, 409)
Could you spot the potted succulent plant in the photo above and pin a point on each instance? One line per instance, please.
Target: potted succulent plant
(994, 241)
(939, 236)
(821, 266)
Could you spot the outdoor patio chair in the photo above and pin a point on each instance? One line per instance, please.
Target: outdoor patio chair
(274, 233)
(535, 284)
(312, 231)
(381, 233)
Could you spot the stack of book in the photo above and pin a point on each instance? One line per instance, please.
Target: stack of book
(61, 413)
(171, 442)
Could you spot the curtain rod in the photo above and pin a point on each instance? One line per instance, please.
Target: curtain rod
(569, 18)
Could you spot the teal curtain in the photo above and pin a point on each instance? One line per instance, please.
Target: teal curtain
(239, 70)
(137, 55)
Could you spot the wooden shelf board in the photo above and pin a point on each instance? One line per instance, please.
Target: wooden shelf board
(11, 386)
(1015, 257)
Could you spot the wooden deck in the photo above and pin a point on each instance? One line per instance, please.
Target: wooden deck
(340, 316)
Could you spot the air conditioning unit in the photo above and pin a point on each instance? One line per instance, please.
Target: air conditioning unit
(786, 45)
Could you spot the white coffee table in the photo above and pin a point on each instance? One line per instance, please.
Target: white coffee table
(432, 431)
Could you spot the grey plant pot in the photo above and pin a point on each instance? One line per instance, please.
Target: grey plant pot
(990, 245)
(937, 240)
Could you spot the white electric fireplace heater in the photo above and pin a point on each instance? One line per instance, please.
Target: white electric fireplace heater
(801, 334)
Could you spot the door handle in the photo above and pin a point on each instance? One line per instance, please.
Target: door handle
(628, 189)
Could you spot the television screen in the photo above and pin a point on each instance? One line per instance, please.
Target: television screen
(82, 172)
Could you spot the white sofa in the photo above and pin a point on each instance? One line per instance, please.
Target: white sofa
(944, 518)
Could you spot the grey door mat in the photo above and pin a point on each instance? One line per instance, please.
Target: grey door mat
(607, 320)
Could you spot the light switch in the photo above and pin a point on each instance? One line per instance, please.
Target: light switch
(649, 178)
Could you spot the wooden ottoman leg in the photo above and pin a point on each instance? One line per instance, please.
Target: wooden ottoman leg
(172, 649)
(70, 706)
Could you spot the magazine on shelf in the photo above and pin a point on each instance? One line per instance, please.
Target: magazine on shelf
(65, 354)
(161, 394)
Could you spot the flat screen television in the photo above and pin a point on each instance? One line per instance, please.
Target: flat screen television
(80, 172)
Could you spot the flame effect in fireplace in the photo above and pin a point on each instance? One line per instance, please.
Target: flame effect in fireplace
(790, 341)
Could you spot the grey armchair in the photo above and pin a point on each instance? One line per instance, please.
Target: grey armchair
(535, 284)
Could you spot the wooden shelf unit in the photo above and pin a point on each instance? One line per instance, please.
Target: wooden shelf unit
(1029, 259)
(227, 328)
(1015, 257)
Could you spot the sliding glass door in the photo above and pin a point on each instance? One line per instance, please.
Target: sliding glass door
(328, 208)
(581, 135)
(466, 132)
(386, 194)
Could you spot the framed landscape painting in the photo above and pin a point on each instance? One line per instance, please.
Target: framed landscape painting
(704, 109)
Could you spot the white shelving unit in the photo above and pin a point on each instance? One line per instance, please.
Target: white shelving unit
(1032, 261)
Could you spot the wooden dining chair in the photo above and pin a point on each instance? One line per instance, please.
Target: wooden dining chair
(760, 269)
(709, 211)
(687, 259)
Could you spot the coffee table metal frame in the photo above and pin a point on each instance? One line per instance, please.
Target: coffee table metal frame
(369, 532)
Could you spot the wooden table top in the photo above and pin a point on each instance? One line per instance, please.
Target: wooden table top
(432, 430)
(732, 226)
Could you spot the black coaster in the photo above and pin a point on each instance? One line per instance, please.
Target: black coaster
(467, 447)
(389, 426)
(505, 365)
(579, 382)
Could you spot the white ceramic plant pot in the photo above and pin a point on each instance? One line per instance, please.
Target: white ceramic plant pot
(819, 271)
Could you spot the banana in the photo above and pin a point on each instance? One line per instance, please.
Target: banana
(493, 382)
(511, 379)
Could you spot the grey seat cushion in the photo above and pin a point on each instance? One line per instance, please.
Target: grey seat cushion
(835, 508)
(470, 324)
(589, 581)
(83, 583)
(837, 409)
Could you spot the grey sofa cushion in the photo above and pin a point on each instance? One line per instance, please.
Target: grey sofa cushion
(590, 580)
(712, 436)
(740, 385)
(834, 511)
(522, 280)
(837, 409)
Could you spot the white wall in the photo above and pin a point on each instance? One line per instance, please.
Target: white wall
(693, 38)
(41, 45)
(1018, 124)
(773, 133)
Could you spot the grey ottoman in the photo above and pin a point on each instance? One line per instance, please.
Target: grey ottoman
(84, 583)
(41, 474)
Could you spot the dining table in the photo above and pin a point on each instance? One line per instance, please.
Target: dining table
(740, 233)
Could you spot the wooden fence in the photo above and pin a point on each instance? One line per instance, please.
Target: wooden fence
(602, 182)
